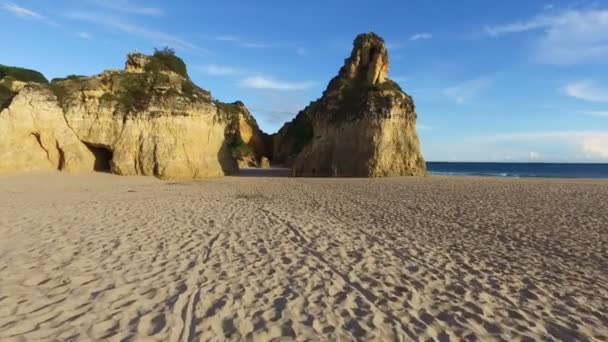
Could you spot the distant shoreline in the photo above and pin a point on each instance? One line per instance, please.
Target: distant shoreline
(519, 170)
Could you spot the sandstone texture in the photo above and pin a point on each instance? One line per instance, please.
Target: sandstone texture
(34, 135)
(248, 144)
(364, 125)
(149, 119)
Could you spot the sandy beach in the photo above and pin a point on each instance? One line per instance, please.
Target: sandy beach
(102, 257)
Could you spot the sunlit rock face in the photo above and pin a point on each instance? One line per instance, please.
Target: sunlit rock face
(148, 119)
(364, 125)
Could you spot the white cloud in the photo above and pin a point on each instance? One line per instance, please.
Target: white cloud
(567, 37)
(242, 43)
(158, 37)
(20, 11)
(534, 156)
(260, 82)
(596, 146)
(127, 7)
(220, 70)
(587, 91)
(421, 36)
(602, 113)
(467, 90)
(425, 127)
(85, 35)
(227, 39)
(590, 144)
(250, 45)
(25, 13)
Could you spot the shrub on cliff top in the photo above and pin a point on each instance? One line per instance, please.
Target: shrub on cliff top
(68, 78)
(5, 96)
(21, 74)
(165, 59)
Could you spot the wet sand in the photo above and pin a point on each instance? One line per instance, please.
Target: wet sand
(102, 257)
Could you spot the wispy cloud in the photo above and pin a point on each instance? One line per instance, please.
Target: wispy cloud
(220, 70)
(300, 51)
(261, 82)
(25, 13)
(567, 37)
(590, 144)
(586, 90)
(242, 43)
(126, 6)
(255, 45)
(534, 156)
(85, 35)
(468, 90)
(421, 36)
(232, 39)
(155, 36)
(601, 113)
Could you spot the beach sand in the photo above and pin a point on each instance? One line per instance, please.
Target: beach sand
(102, 257)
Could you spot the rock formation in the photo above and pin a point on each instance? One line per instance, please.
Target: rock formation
(149, 119)
(35, 136)
(364, 125)
(248, 144)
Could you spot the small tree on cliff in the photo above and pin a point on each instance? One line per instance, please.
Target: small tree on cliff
(165, 58)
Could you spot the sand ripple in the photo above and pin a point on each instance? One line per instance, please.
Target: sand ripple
(99, 257)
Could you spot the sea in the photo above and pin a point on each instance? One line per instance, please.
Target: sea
(519, 170)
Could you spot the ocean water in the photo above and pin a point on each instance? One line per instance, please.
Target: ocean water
(548, 170)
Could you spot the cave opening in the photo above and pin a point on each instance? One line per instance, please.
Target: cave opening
(103, 157)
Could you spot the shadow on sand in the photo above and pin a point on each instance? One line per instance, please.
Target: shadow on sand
(271, 172)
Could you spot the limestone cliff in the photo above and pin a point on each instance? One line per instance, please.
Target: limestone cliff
(34, 135)
(248, 144)
(149, 119)
(364, 125)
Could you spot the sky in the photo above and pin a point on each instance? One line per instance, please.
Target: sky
(519, 80)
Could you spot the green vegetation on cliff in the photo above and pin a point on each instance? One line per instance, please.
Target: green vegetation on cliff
(165, 59)
(22, 74)
(238, 148)
(300, 130)
(69, 77)
(5, 96)
(132, 92)
(10, 74)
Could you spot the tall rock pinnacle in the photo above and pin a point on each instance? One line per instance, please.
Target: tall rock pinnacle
(364, 125)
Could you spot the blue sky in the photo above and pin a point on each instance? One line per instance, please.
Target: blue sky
(492, 80)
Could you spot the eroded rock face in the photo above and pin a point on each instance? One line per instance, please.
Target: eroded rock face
(248, 143)
(154, 124)
(34, 135)
(368, 60)
(364, 125)
(146, 120)
(136, 63)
